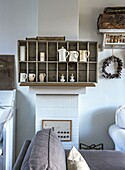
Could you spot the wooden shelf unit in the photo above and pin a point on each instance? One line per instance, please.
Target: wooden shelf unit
(112, 38)
(85, 73)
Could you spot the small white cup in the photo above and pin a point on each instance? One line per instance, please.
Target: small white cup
(23, 77)
(42, 56)
(32, 77)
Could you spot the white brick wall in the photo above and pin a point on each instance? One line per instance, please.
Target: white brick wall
(59, 107)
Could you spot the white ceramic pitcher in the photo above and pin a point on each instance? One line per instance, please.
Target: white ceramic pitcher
(63, 54)
(42, 77)
(73, 56)
(84, 54)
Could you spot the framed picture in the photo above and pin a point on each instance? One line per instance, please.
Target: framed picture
(63, 128)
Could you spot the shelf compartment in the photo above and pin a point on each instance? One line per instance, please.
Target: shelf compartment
(32, 70)
(52, 51)
(72, 46)
(42, 46)
(92, 72)
(83, 45)
(62, 69)
(32, 67)
(22, 50)
(93, 51)
(82, 72)
(42, 69)
(52, 72)
(23, 67)
(62, 44)
(31, 51)
(72, 69)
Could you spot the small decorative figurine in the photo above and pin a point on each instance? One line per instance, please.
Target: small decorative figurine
(72, 78)
(62, 78)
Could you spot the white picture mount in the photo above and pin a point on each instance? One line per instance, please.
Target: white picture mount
(63, 128)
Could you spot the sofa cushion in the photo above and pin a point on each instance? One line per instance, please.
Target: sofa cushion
(47, 152)
(76, 161)
(25, 164)
(120, 116)
(21, 155)
(103, 159)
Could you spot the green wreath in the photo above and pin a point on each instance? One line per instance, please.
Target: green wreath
(107, 62)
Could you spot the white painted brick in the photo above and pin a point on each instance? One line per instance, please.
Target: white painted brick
(57, 102)
(74, 112)
(57, 112)
(75, 131)
(45, 101)
(75, 122)
(66, 112)
(66, 102)
(74, 101)
(59, 107)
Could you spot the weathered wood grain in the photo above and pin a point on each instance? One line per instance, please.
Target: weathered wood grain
(112, 18)
(7, 72)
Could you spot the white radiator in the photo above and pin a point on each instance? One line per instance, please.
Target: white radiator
(8, 100)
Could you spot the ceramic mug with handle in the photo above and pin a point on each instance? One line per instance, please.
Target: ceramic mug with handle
(32, 77)
(73, 56)
(23, 77)
(84, 54)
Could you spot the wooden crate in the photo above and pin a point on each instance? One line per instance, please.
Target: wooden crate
(112, 18)
(6, 72)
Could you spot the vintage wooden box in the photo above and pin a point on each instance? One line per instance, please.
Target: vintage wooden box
(7, 72)
(112, 18)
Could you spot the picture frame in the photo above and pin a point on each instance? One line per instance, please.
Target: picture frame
(63, 128)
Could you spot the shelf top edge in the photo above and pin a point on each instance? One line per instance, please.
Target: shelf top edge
(111, 30)
(60, 41)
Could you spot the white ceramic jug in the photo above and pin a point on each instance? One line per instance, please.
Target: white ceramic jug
(63, 54)
(42, 77)
(73, 56)
(84, 54)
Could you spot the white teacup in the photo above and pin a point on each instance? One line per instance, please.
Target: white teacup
(32, 77)
(84, 54)
(73, 56)
(23, 77)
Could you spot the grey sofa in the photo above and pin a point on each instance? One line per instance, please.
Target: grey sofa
(45, 152)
